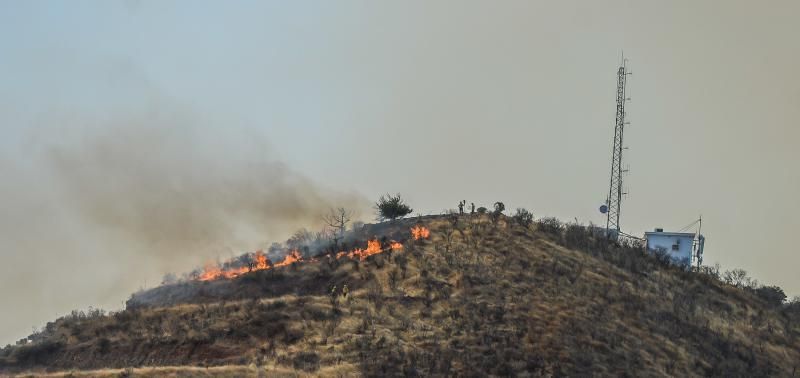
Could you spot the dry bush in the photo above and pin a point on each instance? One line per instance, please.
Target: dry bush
(557, 301)
(550, 225)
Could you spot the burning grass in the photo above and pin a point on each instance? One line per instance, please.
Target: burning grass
(420, 232)
(258, 261)
(492, 299)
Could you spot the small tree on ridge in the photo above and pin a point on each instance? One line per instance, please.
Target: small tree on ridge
(392, 207)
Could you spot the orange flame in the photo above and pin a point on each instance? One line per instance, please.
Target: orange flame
(210, 272)
(295, 256)
(373, 248)
(420, 232)
(261, 262)
(213, 271)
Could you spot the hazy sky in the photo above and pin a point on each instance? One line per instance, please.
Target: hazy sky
(141, 137)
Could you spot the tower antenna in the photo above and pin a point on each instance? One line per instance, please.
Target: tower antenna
(615, 190)
(701, 241)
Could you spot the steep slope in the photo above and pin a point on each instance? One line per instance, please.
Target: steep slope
(480, 296)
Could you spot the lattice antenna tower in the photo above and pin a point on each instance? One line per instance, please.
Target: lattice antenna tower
(615, 190)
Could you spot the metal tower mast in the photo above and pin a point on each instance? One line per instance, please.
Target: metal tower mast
(615, 191)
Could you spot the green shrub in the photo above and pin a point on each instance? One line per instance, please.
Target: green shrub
(392, 207)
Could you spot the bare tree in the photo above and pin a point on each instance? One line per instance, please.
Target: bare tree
(739, 278)
(338, 220)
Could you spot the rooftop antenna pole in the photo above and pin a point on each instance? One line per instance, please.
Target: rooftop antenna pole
(700, 225)
(615, 190)
(700, 242)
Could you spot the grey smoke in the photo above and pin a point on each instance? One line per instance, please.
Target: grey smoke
(102, 206)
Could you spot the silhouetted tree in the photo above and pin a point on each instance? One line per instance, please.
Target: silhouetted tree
(498, 211)
(523, 217)
(338, 220)
(499, 207)
(392, 207)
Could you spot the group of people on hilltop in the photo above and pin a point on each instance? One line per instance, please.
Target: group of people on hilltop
(462, 204)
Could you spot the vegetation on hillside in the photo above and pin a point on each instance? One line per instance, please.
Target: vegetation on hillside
(392, 207)
(485, 294)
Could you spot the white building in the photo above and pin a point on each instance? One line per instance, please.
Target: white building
(680, 246)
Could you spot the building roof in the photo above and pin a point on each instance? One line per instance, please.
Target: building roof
(680, 234)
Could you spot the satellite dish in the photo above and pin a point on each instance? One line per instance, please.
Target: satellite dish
(604, 209)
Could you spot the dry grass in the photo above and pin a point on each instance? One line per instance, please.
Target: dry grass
(475, 298)
(190, 371)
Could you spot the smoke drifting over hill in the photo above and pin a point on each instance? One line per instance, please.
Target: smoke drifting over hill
(99, 204)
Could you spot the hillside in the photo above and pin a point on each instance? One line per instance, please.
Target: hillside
(480, 295)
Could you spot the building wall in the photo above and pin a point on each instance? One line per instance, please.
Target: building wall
(666, 241)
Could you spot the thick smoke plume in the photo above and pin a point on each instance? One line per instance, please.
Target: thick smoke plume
(103, 207)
